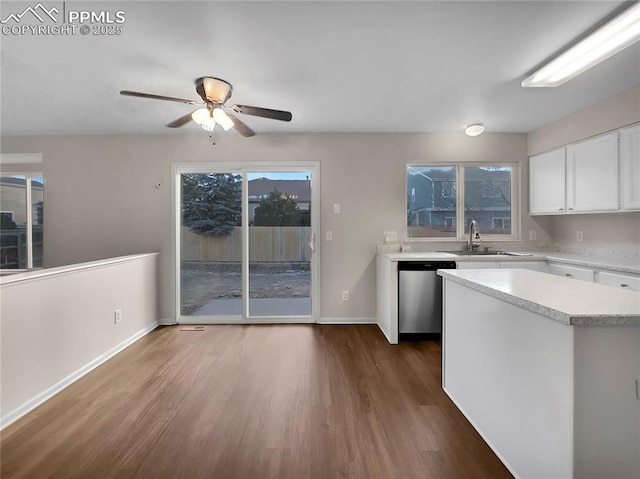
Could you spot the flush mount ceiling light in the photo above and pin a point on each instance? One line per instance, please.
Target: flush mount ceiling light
(612, 37)
(474, 130)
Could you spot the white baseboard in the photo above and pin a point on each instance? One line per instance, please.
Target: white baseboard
(347, 321)
(167, 322)
(60, 385)
(233, 320)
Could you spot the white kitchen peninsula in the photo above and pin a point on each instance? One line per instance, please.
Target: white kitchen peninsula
(546, 369)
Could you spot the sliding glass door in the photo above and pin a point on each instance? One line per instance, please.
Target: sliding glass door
(280, 243)
(245, 243)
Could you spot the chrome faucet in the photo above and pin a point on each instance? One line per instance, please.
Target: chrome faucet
(474, 236)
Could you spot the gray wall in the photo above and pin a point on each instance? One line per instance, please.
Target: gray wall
(101, 199)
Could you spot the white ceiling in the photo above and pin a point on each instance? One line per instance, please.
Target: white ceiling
(337, 66)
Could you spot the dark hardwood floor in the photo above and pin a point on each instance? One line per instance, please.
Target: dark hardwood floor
(273, 401)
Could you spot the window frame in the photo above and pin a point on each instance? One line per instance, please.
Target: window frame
(29, 176)
(516, 202)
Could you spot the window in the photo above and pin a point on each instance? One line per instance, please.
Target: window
(433, 213)
(445, 198)
(448, 189)
(501, 223)
(21, 221)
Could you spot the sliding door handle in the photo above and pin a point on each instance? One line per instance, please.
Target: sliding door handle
(312, 243)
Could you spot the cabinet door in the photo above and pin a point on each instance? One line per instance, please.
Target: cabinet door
(574, 272)
(547, 182)
(592, 175)
(630, 168)
(477, 264)
(619, 280)
(532, 265)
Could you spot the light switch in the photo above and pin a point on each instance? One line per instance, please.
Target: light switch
(336, 208)
(329, 235)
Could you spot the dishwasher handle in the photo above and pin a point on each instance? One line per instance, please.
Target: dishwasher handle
(425, 265)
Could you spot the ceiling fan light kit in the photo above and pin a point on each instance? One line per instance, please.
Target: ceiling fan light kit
(200, 115)
(474, 130)
(215, 93)
(222, 119)
(612, 37)
(215, 89)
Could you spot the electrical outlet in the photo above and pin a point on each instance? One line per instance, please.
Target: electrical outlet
(390, 236)
(345, 295)
(328, 236)
(117, 316)
(336, 208)
(532, 235)
(579, 236)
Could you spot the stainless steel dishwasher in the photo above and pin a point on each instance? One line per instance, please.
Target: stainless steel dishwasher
(420, 297)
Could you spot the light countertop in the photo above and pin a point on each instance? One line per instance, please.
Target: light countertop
(569, 301)
(618, 264)
(628, 265)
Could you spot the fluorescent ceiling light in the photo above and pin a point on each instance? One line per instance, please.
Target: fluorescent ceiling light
(474, 130)
(614, 36)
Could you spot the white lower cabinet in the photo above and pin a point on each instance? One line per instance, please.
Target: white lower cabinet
(532, 265)
(477, 265)
(574, 272)
(619, 280)
(628, 281)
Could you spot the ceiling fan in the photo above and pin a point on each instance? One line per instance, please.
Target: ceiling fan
(215, 93)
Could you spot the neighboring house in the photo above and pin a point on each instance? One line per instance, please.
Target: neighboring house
(13, 199)
(299, 190)
(431, 199)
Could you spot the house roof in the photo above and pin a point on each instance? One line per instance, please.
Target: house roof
(471, 174)
(261, 187)
(14, 181)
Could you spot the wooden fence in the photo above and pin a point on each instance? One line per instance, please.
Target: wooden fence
(266, 243)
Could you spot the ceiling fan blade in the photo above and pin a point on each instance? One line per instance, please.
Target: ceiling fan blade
(242, 128)
(158, 97)
(183, 120)
(263, 112)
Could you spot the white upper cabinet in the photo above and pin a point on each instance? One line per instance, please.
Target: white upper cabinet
(630, 168)
(592, 175)
(547, 182)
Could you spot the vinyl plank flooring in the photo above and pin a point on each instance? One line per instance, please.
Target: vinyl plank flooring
(255, 401)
